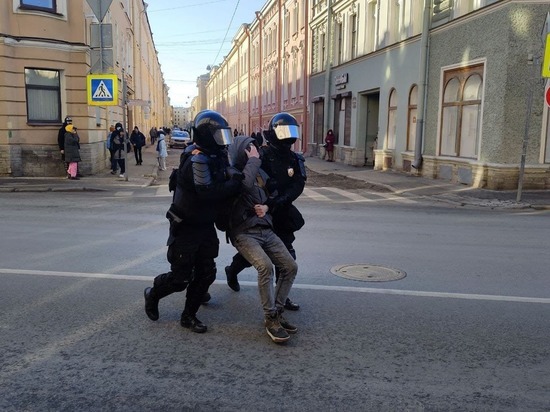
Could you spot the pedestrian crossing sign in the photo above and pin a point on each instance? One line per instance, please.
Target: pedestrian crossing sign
(102, 89)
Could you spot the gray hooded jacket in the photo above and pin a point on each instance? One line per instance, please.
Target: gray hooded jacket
(243, 216)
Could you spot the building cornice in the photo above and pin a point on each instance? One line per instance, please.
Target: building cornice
(34, 42)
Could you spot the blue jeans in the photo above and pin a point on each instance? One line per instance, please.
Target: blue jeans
(263, 249)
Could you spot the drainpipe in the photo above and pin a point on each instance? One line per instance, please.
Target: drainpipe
(422, 83)
(328, 53)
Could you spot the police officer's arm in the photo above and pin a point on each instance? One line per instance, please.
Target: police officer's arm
(206, 187)
(294, 189)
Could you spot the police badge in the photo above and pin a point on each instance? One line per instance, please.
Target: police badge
(290, 171)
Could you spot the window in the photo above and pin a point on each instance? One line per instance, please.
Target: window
(392, 112)
(461, 112)
(323, 50)
(43, 96)
(354, 36)
(411, 132)
(371, 27)
(45, 5)
(340, 43)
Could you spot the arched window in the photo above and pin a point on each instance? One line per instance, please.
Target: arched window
(460, 123)
(392, 113)
(411, 128)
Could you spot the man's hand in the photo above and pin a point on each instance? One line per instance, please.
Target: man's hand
(261, 210)
(251, 151)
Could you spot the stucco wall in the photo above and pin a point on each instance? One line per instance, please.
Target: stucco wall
(503, 39)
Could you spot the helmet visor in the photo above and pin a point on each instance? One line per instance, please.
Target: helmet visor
(284, 132)
(223, 137)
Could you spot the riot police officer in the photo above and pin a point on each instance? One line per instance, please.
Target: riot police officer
(287, 173)
(200, 184)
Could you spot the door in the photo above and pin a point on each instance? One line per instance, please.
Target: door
(371, 136)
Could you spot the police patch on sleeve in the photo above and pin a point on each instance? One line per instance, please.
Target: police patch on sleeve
(290, 171)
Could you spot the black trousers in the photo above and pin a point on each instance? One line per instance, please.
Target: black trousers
(192, 266)
(137, 154)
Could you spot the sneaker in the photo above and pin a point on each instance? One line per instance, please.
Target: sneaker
(232, 280)
(191, 322)
(289, 327)
(274, 329)
(121, 175)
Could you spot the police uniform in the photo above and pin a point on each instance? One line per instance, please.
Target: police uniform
(200, 185)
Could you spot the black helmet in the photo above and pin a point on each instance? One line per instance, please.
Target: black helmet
(68, 120)
(118, 126)
(211, 130)
(283, 130)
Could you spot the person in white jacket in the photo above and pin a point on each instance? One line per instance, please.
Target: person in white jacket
(162, 152)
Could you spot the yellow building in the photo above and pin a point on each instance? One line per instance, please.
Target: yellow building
(47, 48)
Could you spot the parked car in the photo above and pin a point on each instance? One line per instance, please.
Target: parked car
(179, 139)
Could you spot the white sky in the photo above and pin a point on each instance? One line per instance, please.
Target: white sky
(189, 35)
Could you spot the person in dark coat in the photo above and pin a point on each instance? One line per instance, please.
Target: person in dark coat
(200, 186)
(72, 151)
(61, 139)
(138, 141)
(118, 144)
(330, 139)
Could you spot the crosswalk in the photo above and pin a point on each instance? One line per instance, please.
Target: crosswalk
(315, 194)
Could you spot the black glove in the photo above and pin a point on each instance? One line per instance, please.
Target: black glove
(234, 174)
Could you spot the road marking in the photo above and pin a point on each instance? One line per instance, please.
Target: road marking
(312, 194)
(417, 293)
(344, 193)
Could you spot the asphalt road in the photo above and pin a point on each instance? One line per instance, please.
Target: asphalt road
(466, 329)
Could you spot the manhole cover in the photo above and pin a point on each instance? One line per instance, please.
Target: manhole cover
(368, 273)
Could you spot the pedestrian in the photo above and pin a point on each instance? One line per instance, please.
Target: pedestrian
(330, 139)
(250, 230)
(200, 186)
(61, 139)
(153, 135)
(72, 151)
(109, 146)
(287, 173)
(162, 151)
(138, 141)
(118, 143)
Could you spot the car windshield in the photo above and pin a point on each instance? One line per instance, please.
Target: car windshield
(180, 134)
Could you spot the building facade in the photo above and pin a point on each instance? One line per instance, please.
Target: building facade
(46, 52)
(266, 71)
(448, 97)
(436, 88)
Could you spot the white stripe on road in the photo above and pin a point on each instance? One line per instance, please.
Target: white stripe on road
(312, 194)
(467, 296)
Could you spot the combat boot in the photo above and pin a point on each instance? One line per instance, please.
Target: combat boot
(151, 304)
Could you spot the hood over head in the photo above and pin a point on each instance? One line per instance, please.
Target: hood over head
(237, 155)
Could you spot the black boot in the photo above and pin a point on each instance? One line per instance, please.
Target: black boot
(206, 298)
(151, 304)
(191, 322)
(232, 280)
(290, 305)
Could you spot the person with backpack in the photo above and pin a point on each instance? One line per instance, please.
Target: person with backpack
(200, 186)
(118, 145)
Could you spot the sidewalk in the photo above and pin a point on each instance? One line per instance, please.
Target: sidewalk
(399, 183)
(136, 176)
(440, 190)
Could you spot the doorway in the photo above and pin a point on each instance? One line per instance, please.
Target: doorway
(369, 108)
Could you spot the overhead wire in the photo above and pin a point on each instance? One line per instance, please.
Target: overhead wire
(228, 28)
